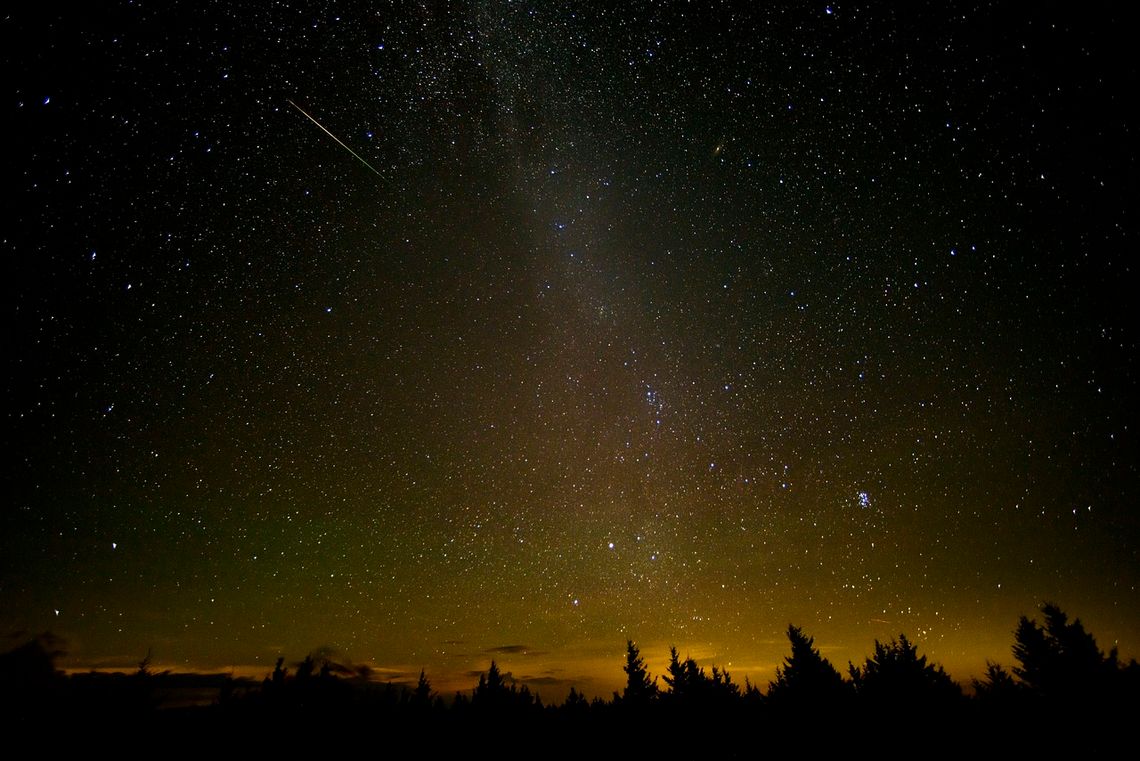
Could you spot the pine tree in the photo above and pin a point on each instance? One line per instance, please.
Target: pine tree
(898, 675)
(688, 683)
(639, 688)
(421, 696)
(1061, 659)
(576, 702)
(675, 674)
(495, 681)
(998, 687)
(491, 690)
(806, 676)
(721, 686)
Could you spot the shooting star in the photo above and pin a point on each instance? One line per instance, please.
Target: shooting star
(334, 137)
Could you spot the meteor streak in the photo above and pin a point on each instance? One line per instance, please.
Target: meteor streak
(334, 137)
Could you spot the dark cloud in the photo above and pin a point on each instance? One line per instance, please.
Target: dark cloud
(544, 681)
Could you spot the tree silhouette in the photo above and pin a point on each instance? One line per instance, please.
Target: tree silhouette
(491, 692)
(1061, 659)
(494, 682)
(751, 694)
(305, 669)
(690, 685)
(721, 687)
(998, 688)
(1061, 680)
(144, 664)
(279, 672)
(806, 676)
(576, 703)
(896, 674)
(639, 689)
(681, 676)
(421, 696)
(29, 680)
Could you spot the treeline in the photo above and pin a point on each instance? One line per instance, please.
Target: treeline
(1060, 680)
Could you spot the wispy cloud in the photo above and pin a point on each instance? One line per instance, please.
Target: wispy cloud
(513, 650)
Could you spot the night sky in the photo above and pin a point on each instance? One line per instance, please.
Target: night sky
(426, 334)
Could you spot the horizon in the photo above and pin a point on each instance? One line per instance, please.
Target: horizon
(518, 661)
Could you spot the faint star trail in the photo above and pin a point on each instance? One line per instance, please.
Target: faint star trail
(334, 137)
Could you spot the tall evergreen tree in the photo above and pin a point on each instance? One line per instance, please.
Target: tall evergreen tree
(721, 686)
(639, 688)
(421, 696)
(675, 674)
(806, 676)
(492, 689)
(1061, 659)
(576, 703)
(690, 685)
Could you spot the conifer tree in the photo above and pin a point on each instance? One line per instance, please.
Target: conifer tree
(897, 674)
(639, 688)
(1061, 659)
(422, 694)
(806, 676)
